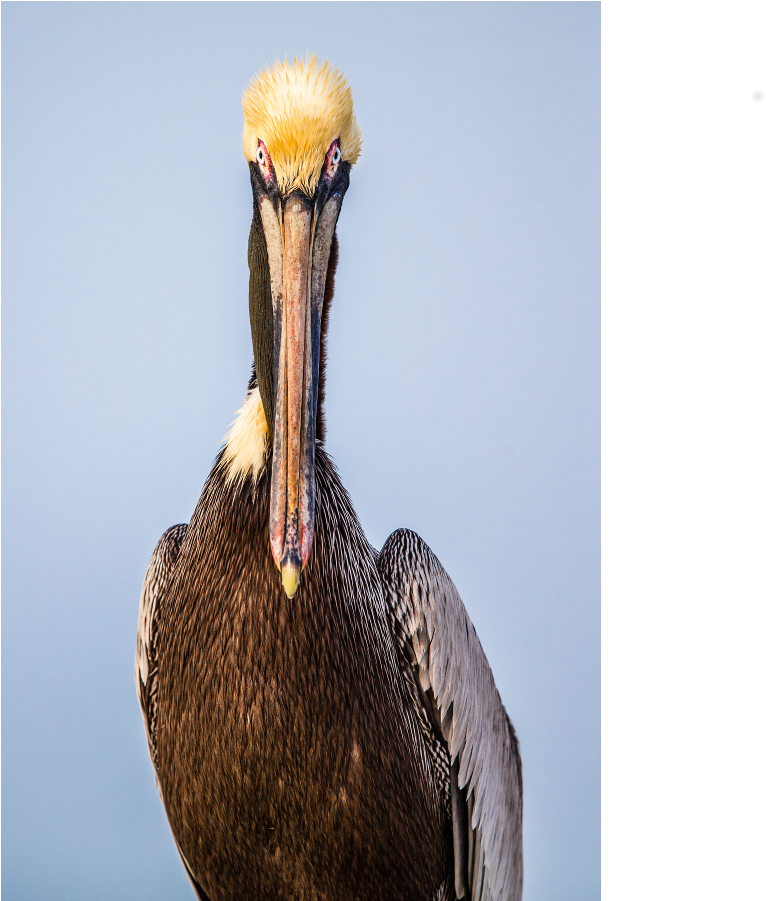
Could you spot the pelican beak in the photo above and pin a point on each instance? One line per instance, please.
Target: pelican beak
(298, 239)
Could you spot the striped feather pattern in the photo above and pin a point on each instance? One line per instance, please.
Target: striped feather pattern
(288, 727)
(149, 611)
(438, 639)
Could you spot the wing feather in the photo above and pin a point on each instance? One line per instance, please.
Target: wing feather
(439, 642)
(153, 595)
(149, 613)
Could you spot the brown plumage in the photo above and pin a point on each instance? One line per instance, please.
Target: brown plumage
(337, 737)
(287, 722)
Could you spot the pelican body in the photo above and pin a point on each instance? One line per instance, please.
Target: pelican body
(322, 720)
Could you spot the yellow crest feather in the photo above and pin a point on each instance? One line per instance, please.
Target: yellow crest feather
(297, 111)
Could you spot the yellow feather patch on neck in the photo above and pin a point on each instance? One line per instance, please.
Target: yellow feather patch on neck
(298, 111)
(245, 451)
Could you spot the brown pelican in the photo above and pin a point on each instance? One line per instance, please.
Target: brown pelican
(321, 717)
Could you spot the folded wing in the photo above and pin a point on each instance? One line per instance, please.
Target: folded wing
(438, 642)
(149, 613)
(153, 595)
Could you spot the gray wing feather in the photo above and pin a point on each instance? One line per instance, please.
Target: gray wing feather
(149, 613)
(438, 640)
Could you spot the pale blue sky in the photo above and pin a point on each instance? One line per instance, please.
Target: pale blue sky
(463, 380)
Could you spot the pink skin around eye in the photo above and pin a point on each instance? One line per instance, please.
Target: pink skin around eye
(328, 160)
(264, 166)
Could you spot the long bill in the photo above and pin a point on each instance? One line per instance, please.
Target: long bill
(298, 243)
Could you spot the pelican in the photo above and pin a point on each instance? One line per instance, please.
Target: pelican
(321, 717)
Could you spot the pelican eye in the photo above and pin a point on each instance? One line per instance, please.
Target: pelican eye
(260, 156)
(336, 156)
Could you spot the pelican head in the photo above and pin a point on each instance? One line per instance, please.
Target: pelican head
(301, 140)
